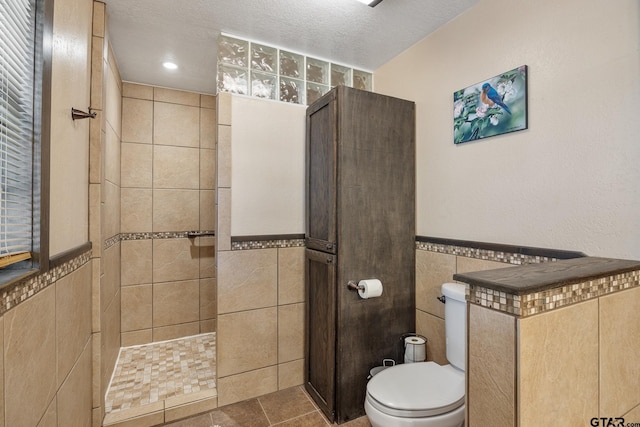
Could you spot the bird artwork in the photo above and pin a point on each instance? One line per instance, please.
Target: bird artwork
(491, 97)
(491, 107)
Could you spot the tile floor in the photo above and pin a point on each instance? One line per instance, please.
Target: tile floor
(291, 407)
(158, 383)
(163, 380)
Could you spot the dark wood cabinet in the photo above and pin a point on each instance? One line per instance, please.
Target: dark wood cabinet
(360, 225)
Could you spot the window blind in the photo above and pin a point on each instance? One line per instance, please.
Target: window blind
(17, 46)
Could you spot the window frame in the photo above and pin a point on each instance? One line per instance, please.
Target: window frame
(41, 133)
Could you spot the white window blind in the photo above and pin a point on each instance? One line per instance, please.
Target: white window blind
(17, 38)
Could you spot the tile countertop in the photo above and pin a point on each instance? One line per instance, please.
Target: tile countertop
(527, 279)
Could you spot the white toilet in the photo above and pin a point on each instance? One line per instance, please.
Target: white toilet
(425, 394)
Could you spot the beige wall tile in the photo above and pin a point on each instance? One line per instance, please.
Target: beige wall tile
(175, 302)
(208, 101)
(290, 332)
(467, 265)
(176, 96)
(247, 385)
(73, 318)
(633, 415)
(176, 210)
(247, 340)
(137, 303)
(207, 169)
(110, 281)
(137, 165)
(223, 107)
(558, 366)
(74, 396)
(223, 166)
(247, 279)
(207, 209)
(111, 210)
(174, 260)
(96, 370)
(432, 270)
(177, 125)
(619, 367)
(30, 359)
(191, 408)
(112, 157)
(176, 331)
(110, 341)
(207, 259)
(113, 101)
(492, 364)
(137, 262)
(207, 326)
(133, 90)
(137, 120)
(98, 18)
(290, 275)
(95, 216)
(50, 417)
(96, 308)
(223, 227)
(96, 142)
(207, 128)
(208, 301)
(290, 374)
(144, 336)
(432, 327)
(175, 167)
(97, 72)
(136, 210)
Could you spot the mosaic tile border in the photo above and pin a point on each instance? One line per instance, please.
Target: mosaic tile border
(551, 299)
(484, 254)
(267, 244)
(22, 291)
(153, 235)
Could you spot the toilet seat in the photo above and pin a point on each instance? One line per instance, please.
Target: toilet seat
(413, 390)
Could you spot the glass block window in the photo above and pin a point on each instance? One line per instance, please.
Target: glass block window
(254, 69)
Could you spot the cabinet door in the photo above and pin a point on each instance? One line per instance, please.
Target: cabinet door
(320, 345)
(321, 175)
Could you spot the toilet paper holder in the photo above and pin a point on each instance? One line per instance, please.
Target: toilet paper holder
(353, 286)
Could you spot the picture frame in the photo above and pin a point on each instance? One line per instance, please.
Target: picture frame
(491, 107)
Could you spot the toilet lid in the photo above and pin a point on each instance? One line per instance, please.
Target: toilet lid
(417, 389)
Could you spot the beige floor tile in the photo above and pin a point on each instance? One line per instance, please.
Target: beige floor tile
(286, 404)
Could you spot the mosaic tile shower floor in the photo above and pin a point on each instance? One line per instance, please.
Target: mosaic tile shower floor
(155, 377)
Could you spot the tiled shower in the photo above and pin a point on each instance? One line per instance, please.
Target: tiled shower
(168, 189)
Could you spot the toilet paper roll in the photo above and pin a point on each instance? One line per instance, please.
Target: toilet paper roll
(415, 349)
(370, 288)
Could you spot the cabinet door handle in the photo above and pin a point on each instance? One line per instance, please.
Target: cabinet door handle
(329, 246)
(329, 260)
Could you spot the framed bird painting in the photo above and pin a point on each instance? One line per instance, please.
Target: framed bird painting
(492, 107)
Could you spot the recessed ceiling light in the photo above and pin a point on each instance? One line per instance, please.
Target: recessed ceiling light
(371, 3)
(169, 65)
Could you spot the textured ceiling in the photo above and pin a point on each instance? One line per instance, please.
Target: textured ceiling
(145, 33)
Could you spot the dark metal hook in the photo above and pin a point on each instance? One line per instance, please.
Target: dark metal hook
(78, 114)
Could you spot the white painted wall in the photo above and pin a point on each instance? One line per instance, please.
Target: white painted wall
(572, 180)
(267, 158)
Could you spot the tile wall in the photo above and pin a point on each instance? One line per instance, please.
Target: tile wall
(260, 298)
(168, 282)
(104, 208)
(46, 351)
(432, 270)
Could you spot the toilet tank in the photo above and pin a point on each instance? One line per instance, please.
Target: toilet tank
(455, 323)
